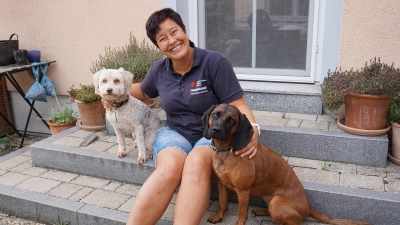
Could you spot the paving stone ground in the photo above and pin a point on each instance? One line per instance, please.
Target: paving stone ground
(18, 172)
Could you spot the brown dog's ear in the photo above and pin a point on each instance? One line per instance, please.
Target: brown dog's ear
(205, 119)
(96, 77)
(243, 134)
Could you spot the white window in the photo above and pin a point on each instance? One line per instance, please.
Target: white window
(263, 39)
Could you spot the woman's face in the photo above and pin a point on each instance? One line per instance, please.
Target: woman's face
(172, 40)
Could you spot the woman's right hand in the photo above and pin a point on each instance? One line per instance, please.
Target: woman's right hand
(107, 105)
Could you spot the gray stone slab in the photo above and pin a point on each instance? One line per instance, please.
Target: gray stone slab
(106, 165)
(353, 203)
(64, 190)
(127, 206)
(60, 135)
(392, 185)
(81, 194)
(11, 179)
(281, 88)
(59, 175)
(13, 162)
(34, 171)
(92, 182)
(313, 175)
(38, 184)
(15, 153)
(43, 208)
(31, 205)
(307, 124)
(282, 102)
(327, 146)
(362, 181)
(108, 199)
(91, 214)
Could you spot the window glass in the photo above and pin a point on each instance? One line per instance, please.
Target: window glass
(274, 36)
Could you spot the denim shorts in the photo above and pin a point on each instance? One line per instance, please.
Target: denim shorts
(167, 137)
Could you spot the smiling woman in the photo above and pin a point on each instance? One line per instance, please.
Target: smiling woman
(189, 80)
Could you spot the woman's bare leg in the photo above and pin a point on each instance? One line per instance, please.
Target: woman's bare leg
(194, 192)
(156, 193)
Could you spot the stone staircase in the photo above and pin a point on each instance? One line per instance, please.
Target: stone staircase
(344, 175)
(297, 106)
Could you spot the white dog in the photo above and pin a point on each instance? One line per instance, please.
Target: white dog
(129, 114)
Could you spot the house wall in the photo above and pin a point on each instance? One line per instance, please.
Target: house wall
(73, 33)
(370, 29)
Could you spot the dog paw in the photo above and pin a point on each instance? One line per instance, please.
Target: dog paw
(260, 211)
(141, 159)
(150, 155)
(121, 154)
(216, 218)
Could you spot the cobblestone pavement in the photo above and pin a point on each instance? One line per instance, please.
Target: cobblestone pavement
(120, 196)
(14, 141)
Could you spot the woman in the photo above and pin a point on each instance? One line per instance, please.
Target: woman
(189, 81)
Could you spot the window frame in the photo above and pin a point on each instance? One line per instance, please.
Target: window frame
(328, 31)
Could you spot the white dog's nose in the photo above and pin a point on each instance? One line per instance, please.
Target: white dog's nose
(109, 90)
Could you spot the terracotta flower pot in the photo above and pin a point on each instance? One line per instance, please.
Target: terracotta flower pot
(368, 112)
(57, 128)
(396, 140)
(93, 116)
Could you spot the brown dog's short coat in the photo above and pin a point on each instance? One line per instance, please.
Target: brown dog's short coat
(267, 175)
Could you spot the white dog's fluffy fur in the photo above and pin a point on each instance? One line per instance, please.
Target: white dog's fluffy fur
(133, 116)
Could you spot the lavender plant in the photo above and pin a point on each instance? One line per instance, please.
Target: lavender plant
(85, 94)
(375, 78)
(134, 58)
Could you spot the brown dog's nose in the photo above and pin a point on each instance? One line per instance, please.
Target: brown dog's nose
(215, 130)
(109, 90)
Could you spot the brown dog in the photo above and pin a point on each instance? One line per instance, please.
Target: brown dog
(267, 175)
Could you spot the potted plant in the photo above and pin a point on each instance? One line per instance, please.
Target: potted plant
(394, 118)
(91, 110)
(366, 94)
(133, 57)
(62, 120)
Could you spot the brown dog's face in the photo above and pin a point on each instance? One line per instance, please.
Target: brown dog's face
(223, 122)
(228, 125)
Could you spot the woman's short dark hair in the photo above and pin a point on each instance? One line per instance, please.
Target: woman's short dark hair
(152, 24)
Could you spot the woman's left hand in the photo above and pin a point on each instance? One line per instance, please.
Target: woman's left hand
(251, 149)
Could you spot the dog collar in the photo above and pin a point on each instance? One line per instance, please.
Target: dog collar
(214, 148)
(119, 104)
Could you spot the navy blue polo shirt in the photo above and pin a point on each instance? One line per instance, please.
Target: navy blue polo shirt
(185, 99)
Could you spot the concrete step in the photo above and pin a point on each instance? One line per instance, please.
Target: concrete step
(313, 137)
(42, 194)
(336, 189)
(283, 97)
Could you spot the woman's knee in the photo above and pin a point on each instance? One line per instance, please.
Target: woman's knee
(170, 165)
(198, 163)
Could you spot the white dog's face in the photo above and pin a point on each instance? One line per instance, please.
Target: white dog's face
(113, 85)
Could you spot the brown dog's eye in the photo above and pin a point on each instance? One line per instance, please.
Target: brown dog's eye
(231, 119)
(216, 114)
(104, 81)
(116, 81)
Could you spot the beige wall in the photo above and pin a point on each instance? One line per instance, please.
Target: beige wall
(370, 28)
(73, 32)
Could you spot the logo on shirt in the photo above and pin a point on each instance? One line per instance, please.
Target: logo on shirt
(198, 88)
